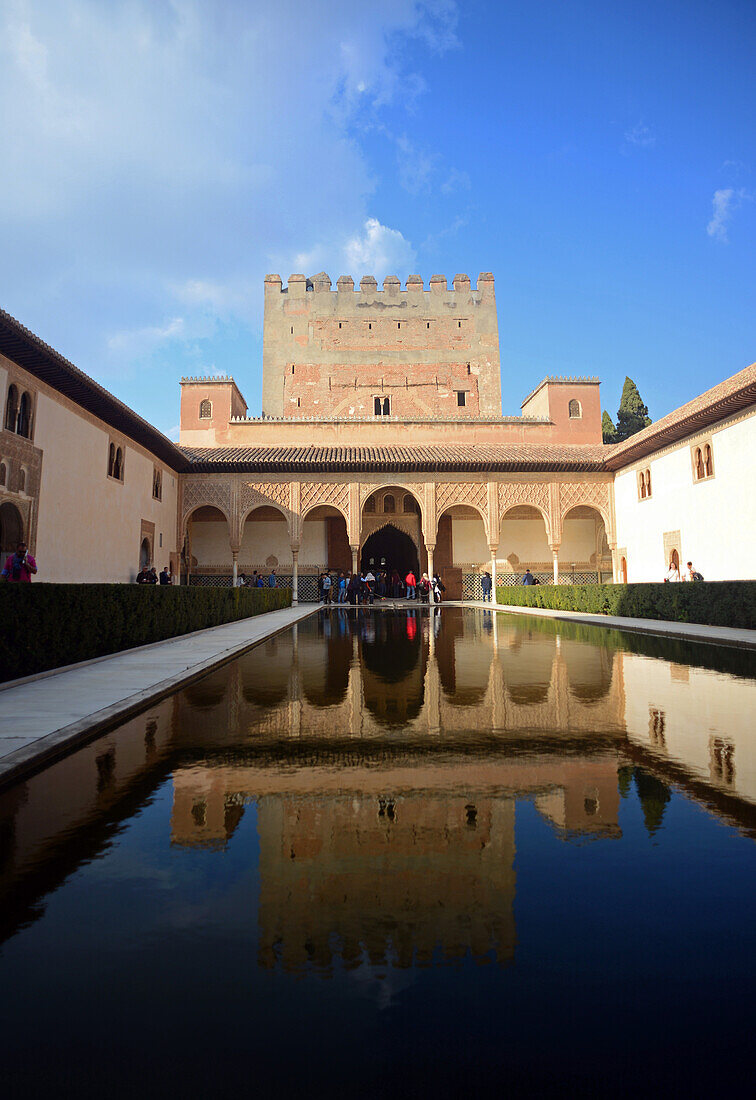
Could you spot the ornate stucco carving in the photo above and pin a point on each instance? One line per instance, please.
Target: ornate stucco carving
(334, 493)
(207, 493)
(594, 494)
(474, 493)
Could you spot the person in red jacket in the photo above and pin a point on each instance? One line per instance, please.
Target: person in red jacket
(411, 583)
(19, 566)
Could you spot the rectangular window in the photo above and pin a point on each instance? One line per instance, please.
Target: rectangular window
(461, 398)
(161, 539)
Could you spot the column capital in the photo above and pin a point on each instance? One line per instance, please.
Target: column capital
(555, 547)
(295, 547)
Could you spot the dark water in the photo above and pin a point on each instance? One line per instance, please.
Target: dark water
(389, 854)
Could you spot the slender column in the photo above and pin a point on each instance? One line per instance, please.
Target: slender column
(430, 547)
(616, 579)
(555, 552)
(355, 551)
(493, 550)
(295, 575)
(235, 568)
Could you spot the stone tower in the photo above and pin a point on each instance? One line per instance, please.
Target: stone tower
(409, 354)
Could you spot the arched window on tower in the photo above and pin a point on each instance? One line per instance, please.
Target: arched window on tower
(11, 408)
(575, 410)
(111, 460)
(118, 465)
(206, 409)
(700, 471)
(23, 424)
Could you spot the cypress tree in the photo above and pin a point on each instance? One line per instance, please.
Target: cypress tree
(632, 414)
(608, 429)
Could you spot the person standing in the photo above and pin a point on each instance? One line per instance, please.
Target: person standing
(165, 576)
(411, 583)
(19, 567)
(485, 584)
(692, 574)
(438, 588)
(528, 577)
(327, 588)
(673, 573)
(272, 582)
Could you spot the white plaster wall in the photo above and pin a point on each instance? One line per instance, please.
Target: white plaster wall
(469, 541)
(524, 537)
(716, 518)
(578, 540)
(89, 525)
(314, 548)
(263, 538)
(211, 544)
(698, 705)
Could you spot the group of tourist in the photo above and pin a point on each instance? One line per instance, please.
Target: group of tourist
(365, 587)
(149, 575)
(257, 580)
(673, 574)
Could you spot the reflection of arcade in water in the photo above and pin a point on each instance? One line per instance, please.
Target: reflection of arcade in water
(384, 753)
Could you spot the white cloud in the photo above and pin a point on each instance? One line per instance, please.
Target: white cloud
(137, 341)
(416, 166)
(158, 155)
(639, 136)
(379, 251)
(724, 203)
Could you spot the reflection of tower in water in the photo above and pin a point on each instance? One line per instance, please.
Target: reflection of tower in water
(388, 877)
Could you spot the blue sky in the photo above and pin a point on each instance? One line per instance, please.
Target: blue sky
(161, 156)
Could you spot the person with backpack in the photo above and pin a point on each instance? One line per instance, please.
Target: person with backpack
(19, 567)
(437, 588)
(485, 584)
(692, 574)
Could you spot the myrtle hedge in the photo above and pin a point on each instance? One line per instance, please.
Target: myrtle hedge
(49, 625)
(715, 603)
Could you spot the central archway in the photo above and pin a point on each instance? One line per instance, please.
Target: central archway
(389, 548)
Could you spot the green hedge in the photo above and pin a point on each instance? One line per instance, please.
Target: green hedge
(715, 603)
(48, 625)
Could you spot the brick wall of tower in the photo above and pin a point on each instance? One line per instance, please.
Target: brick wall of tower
(432, 353)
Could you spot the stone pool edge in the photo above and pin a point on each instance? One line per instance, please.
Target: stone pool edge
(737, 637)
(45, 748)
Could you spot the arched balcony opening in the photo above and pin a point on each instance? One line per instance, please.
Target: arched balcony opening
(523, 545)
(584, 555)
(462, 555)
(265, 545)
(207, 547)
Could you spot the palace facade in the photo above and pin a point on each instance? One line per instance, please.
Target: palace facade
(382, 442)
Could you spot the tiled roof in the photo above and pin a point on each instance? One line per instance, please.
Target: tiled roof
(34, 355)
(731, 396)
(457, 457)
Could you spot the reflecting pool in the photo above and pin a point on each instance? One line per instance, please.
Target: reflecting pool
(391, 853)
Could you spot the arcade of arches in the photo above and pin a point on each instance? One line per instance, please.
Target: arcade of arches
(559, 528)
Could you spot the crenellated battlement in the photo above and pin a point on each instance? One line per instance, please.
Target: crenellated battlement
(425, 348)
(207, 378)
(299, 285)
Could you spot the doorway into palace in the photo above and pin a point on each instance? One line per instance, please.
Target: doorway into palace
(389, 548)
(11, 528)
